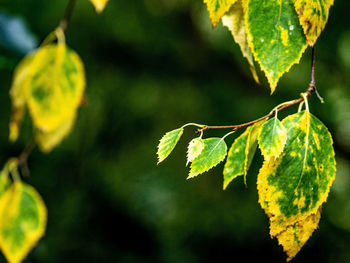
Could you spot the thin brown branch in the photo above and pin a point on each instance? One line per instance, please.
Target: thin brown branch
(67, 15)
(311, 88)
(23, 157)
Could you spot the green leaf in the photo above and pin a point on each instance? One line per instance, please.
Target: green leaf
(195, 147)
(313, 16)
(217, 9)
(234, 21)
(241, 154)
(23, 221)
(99, 5)
(293, 187)
(168, 143)
(54, 86)
(272, 138)
(214, 152)
(275, 36)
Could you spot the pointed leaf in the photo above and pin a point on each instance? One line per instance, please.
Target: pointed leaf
(275, 36)
(241, 154)
(17, 94)
(99, 5)
(272, 138)
(234, 21)
(49, 140)
(214, 152)
(168, 143)
(217, 9)
(54, 86)
(313, 16)
(293, 187)
(23, 221)
(195, 147)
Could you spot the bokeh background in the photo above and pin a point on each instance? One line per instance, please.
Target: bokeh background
(152, 66)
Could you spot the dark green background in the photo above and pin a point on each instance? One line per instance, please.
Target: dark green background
(152, 66)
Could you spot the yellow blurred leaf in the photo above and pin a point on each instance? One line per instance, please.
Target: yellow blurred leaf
(54, 86)
(217, 9)
(49, 140)
(23, 221)
(99, 5)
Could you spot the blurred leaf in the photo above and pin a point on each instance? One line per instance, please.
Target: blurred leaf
(195, 147)
(15, 35)
(217, 9)
(168, 143)
(214, 152)
(293, 187)
(99, 5)
(313, 16)
(272, 138)
(23, 221)
(275, 36)
(241, 154)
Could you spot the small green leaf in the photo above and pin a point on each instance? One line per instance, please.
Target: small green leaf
(195, 147)
(234, 21)
(272, 138)
(275, 36)
(214, 152)
(313, 16)
(241, 154)
(293, 187)
(168, 143)
(217, 9)
(23, 221)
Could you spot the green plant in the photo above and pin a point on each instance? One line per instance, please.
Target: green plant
(299, 164)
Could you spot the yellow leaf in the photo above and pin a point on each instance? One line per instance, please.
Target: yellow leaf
(234, 21)
(17, 94)
(217, 9)
(23, 221)
(49, 140)
(313, 16)
(99, 5)
(54, 86)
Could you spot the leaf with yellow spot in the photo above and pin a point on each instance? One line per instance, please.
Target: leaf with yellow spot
(272, 138)
(23, 221)
(17, 94)
(313, 16)
(234, 21)
(54, 86)
(213, 153)
(293, 187)
(99, 5)
(217, 9)
(167, 143)
(241, 154)
(195, 147)
(275, 36)
(47, 141)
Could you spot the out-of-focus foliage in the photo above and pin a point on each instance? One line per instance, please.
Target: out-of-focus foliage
(153, 65)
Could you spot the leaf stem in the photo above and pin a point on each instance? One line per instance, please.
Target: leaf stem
(67, 15)
(23, 157)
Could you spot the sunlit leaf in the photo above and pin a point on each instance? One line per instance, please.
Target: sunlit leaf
(234, 21)
(293, 187)
(217, 9)
(99, 5)
(214, 152)
(49, 140)
(195, 147)
(23, 221)
(313, 15)
(17, 94)
(54, 86)
(275, 36)
(168, 143)
(241, 154)
(272, 138)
